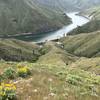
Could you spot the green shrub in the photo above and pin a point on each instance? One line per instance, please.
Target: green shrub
(74, 79)
(9, 73)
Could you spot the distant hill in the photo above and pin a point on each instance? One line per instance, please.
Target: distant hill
(93, 12)
(37, 16)
(25, 16)
(93, 25)
(69, 5)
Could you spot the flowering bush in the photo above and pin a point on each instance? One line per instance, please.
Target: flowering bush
(23, 71)
(7, 91)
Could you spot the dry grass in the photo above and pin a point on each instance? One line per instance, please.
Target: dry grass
(92, 65)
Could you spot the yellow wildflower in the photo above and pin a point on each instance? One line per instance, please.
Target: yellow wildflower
(2, 93)
(8, 85)
(0, 88)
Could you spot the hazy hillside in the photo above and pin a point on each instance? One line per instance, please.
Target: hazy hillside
(68, 5)
(93, 12)
(37, 16)
(93, 25)
(81, 4)
(24, 16)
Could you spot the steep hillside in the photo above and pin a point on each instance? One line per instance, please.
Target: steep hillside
(81, 4)
(16, 50)
(24, 16)
(93, 25)
(93, 12)
(37, 16)
(68, 5)
(87, 45)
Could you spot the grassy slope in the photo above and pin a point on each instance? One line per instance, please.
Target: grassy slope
(51, 52)
(54, 82)
(23, 16)
(55, 55)
(87, 45)
(16, 50)
(91, 65)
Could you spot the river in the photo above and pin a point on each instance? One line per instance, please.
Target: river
(76, 21)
